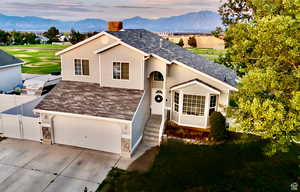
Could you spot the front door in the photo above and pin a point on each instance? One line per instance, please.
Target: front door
(157, 98)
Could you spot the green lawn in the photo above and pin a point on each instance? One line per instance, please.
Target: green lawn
(43, 46)
(236, 166)
(40, 59)
(211, 54)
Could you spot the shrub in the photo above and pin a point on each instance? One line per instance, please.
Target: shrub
(218, 126)
(192, 42)
(180, 43)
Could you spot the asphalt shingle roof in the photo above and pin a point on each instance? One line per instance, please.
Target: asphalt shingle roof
(7, 59)
(149, 43)
(90, 99)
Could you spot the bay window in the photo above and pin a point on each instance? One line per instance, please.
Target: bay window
(176, 102)
(193, 105)
(213, 104)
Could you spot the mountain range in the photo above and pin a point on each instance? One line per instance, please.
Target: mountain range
(203, 21)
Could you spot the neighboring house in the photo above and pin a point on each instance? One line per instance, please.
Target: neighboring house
(42, 39)
(10, 72)
(121, 86)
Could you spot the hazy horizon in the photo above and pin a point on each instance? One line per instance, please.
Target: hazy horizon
(68, 10)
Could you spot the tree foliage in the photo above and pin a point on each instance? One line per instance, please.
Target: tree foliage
(192, 41)
(266, 53)
(4, 37)
(76, 36)
(52, 34)
(217, 32)
(180, 43)
(236, 11)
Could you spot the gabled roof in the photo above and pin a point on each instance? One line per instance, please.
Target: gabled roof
(197, 81)
(7, 59)
(149, 42)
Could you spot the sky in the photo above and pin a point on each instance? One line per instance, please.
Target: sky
(104, 9)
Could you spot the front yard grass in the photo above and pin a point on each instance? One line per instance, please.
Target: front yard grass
(238, 165)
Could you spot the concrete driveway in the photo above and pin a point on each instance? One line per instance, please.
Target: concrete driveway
(27, 166)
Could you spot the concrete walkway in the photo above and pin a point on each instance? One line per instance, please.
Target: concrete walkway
(27, 166)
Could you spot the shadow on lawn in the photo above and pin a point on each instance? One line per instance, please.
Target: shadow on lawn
(237, 165)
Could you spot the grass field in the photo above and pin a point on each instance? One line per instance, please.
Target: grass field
(211, 54)
(239, 165)
(40, 59)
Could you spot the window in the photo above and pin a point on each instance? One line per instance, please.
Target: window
(193, 105)
(157, 76)
(82, 67)
(213, 104)
(176, 102)
(120, 70)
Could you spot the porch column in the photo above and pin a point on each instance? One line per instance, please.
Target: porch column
(180, 106)
(206, 112)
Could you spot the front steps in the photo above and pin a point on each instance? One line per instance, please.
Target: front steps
(151, 132)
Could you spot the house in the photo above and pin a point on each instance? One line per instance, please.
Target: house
(42, 39)
(119, 87)
(10, 72)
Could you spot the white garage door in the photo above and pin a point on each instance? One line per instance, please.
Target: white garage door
(92, 134)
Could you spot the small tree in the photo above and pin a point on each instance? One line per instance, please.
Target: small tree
(4, 37)
(192, 41)
(51, 34)
(180, 43)
(76, 37)
(218, 126)
(217, 32)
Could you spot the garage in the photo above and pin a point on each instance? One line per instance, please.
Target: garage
(88, 133)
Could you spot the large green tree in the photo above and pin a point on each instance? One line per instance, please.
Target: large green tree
(76, 36)
(4, 37)
(52, 34)
(266, 52)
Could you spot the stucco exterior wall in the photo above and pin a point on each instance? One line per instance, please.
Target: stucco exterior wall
(85, 51)
(10, 78)
(122, 54)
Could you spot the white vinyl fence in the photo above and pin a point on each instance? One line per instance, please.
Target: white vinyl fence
(19, 121)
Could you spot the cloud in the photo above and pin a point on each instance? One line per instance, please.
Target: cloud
(104, 9)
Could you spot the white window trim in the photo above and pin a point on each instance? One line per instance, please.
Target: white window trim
(174, 102)
(74, 74)
(120, 71)
(205, 106)
(217, 102)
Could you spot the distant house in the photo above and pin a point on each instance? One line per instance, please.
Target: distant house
(120, 87)
(42, 39)
(10, 72)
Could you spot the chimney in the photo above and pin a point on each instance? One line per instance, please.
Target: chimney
(115, 26)
(161, 41)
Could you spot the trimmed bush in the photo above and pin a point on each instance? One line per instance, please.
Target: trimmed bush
(218, 126)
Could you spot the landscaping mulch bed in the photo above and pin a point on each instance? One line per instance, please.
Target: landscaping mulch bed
(189, 135)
